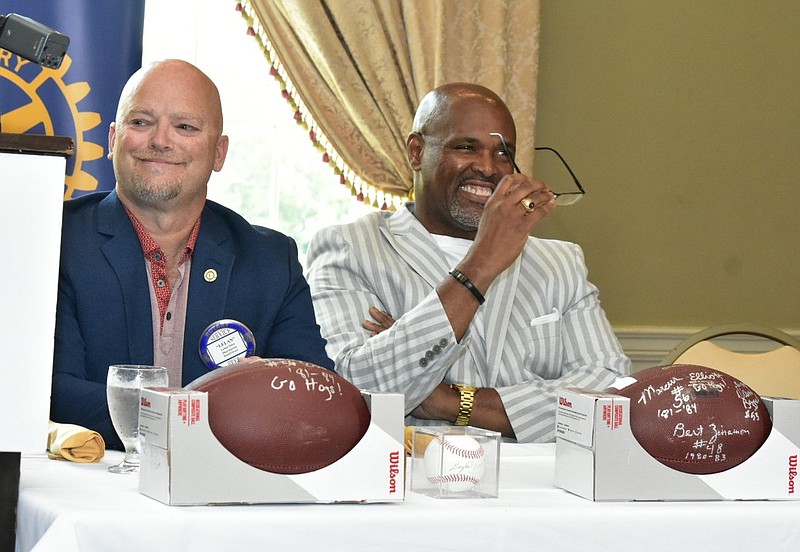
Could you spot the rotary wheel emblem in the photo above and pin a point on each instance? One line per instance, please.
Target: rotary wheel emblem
(33, 112)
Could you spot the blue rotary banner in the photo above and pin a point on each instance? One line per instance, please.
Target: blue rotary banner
(79, 99)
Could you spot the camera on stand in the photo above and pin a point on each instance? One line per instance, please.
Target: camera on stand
(32, 40)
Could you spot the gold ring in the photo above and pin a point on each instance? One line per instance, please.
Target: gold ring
(528, 204)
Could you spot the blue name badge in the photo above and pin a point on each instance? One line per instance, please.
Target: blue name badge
(225, 342)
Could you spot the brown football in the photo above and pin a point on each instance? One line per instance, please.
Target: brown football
(284, 416)
(694, 419)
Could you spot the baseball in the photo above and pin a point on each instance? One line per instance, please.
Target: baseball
(461, 459)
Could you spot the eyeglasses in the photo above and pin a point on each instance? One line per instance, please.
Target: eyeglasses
(561, 198)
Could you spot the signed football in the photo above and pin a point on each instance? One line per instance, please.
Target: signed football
(284, 416)
(694, 419)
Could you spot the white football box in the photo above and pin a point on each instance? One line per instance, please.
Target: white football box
(598, 458)
(182, 463)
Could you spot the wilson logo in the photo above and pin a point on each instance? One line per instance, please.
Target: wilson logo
(792, 472)
(394, 470)
(564, 402)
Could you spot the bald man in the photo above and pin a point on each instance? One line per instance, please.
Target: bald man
(449, 300)
(146, 268)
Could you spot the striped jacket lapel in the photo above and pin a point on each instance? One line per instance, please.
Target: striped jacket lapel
(497, 318)
(414, 244)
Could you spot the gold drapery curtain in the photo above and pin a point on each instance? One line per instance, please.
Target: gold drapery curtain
(355, 70)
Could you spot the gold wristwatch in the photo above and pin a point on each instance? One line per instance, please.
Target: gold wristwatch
(467, 393)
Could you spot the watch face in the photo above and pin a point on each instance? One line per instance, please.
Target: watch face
(225, 342)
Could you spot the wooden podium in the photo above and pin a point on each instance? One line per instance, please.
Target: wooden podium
(32, 171)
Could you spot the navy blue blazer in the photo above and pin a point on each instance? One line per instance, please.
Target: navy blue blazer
(103, 315)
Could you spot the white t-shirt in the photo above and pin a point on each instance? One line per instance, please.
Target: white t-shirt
(455, 249)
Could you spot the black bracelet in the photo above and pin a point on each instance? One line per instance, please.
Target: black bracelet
(458, 275)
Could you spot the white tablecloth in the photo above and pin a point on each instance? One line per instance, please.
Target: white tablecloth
(81, 507)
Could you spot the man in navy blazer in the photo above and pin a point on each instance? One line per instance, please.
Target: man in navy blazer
(146, 268)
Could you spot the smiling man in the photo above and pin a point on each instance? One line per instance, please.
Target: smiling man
(449, 300)
(146, 268)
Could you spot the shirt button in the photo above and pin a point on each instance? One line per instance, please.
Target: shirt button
(437, 349)
(442, 342)
(169, 316)
(423, 362)
(157, 256)
(429, 355)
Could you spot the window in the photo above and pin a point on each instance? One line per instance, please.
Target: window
(273, 175)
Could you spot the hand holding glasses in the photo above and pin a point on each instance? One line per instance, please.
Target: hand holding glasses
(561, 198)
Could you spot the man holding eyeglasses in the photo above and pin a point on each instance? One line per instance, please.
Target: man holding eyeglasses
(474, 320)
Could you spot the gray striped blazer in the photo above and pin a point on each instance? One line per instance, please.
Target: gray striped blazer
(544, 327)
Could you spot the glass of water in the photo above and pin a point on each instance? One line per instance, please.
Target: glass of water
(123, 387)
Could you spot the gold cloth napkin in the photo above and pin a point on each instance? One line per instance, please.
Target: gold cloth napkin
(74, 443)
(423, 440)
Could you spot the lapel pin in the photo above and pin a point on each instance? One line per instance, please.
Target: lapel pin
(210, 275)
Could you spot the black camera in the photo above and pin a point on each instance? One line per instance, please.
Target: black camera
(32, 41)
